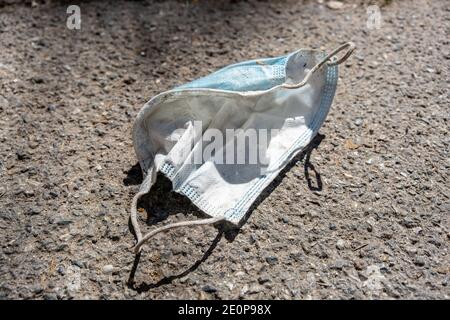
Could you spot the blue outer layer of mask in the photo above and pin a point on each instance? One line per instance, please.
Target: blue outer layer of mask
(261, 74)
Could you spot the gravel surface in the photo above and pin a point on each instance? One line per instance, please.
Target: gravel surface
(363, 214)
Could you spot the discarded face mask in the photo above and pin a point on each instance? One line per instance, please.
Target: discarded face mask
(178, 132)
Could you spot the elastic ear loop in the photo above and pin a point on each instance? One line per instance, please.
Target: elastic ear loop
(149, 235)
(350, 46)
(137, 230)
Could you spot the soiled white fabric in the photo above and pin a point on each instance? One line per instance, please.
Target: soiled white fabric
(289, 96)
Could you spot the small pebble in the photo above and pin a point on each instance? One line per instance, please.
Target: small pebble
(209, 288)
(61, 270)
(263, 279)
(37, 289)
(419, 261)
(109, 268)
(335, 5)
(63, 222)
(271, 260)
(340, 244)
(34, 211)
(78, 263)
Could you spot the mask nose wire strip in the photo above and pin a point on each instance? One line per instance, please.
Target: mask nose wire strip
(149, 235)
(349, 45)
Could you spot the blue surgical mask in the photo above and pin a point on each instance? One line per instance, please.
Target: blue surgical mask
(223, 138)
